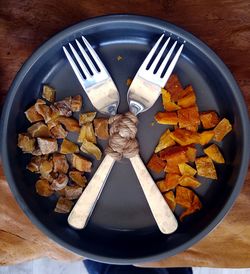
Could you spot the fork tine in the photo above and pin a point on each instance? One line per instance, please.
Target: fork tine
(151, 53)
(85, 55)
(159, 55)
(80, 62)
(166, 59)
(172, 65)
(74, 67)
(94, 55)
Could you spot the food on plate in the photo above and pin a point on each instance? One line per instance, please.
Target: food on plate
(101, 128)
(52, 121)
(26, 142)
(49, 93)
(209, 119)
(214, 153)
(222, 129)
(86, 117)
(205, 167)
(91, 148)
(68, 147)
(81, 163)
(176, 151)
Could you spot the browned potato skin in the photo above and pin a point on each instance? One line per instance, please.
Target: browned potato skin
(39, 129)
(68, 147)
(58, 132)
(76, 103)
(63, 205)
(43, 188)
(86, 117)
(101, 128)
(49, 93)
(69, 123)
(26, 143)
(78, 178)
(32, 115)
(80, 163)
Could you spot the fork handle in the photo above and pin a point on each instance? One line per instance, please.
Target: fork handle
(163, 215)
(85, 205)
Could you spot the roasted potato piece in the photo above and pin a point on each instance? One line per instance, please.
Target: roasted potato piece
(189, 118)
(32, 115)
(58, 132)
(26, 142)
(184, 196)
(36, 152)
(186, 169)
(60, 163)
(175, 154)
(214, 153)
(205, 167)
(47, 145)
(191, 153)
(170, 182)
(46, 166)
(64, 106)
(196, 205)
(39, 129)
(209, 119)
(189, 181)
(86, 117)
(63, 205)
(43, 188)
(81, 163)
(73, 192)
(185, 137)
(69, 123)
(166, 100)
(76, 103)
(170, 199)
(166, 118)
(156, 164)
(60, 182)
(172, 167)
(101, 128)
(49, 93)
(44, 110)
(222, 129)
(165, 141)
(78, 178)
(206, 137)
(174, 87)
(90, 148)
(35, 162)
(87, 133)
(68, 147)
(188, 99)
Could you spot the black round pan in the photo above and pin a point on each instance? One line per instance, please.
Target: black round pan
(122, 229)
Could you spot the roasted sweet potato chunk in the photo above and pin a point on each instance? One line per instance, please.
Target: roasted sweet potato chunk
(43, 188)
(206, 137)
(222, 129)
(209, 119)
(68, 147)
(172, 167)
(195, 206)
(189, 181)
(174, 87)
(166, 100)
(170, 182)
(46, 167)
(60, 163)
(165, 141)
(205, 167)
(191, 153)
(170, 199)
(35, 162)
(39, 129)
(26, 142)
(76, 103)
(156, 164)
(69, 123)
(87, 133)
(175, 154)
(58, 132)
(47, 145)
(63, 205)
(91, 148)
(73, 192)
(186, 169)
(166, 118)
(81, 163)
(49, 93)
(32, 115)
(86, 117)
(189, 118)
(64, 106)
(188, 99)
(60, 182)
(101, 128)
(78, 178)
(184, 196)
(214, 153)
(185, 137)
